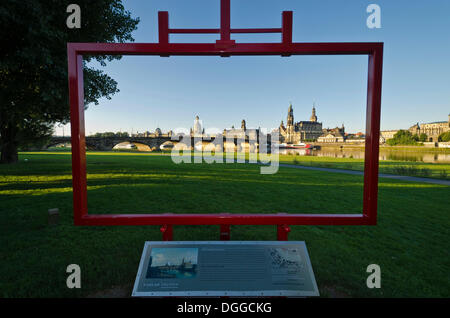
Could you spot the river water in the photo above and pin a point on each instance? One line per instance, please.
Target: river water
(385, 154)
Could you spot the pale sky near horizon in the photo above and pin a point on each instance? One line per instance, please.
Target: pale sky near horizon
(169, 92)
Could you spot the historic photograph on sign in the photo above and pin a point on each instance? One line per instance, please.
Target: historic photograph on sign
(172, 263)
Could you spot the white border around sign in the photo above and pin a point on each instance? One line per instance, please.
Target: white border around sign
(259, 293)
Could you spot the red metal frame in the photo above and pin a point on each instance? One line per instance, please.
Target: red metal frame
(225, 47)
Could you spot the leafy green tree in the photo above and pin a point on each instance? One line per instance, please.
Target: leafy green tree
(423, 137)
(33, 64)
(444, 137)
(122, 134)
(403, 137)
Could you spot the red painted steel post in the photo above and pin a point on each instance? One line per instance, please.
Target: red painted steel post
(282, 232)
(167, 232)
(78, 140)
(225, 27)
(225, 20)
(373, 113)
(286, 29)
(224, 232)
(163, 27)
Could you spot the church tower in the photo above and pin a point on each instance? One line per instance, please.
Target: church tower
(243, 125)
(313, 115)
(290, 117)
(290, 125)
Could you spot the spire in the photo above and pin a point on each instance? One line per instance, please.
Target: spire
(290, 117)
(313, 114)
(243, 125)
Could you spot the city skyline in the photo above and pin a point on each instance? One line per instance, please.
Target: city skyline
(168, 93)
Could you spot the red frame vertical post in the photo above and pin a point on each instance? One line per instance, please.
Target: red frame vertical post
(225, 20)
(373, 115)
(286, 27)
(163, 27)
(282, 232)
(167, 232)
(78, 140)
(224, 232)
(225, 27)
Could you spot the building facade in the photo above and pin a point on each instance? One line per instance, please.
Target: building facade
(432, 130)
(333, 135)
(296, 132)
(386, 135)
(243, 133)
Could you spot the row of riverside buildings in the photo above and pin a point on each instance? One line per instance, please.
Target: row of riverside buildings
(296, 132)
(432, 130)
(312, 131)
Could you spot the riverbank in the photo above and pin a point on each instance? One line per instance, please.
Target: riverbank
(397, 167)
(387, 147)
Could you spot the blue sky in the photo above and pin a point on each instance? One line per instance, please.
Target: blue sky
(169, 92)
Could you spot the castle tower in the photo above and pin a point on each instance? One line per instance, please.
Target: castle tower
(313, 115)
(290, 117)
(290, 125)
(243, 125)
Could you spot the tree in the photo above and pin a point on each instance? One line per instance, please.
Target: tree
(423, 137)
(444, 137)
(33, 64)
(403, 137)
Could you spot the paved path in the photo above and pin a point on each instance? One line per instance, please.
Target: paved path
(381, 175)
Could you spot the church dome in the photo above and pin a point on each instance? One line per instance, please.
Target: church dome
(197, 126)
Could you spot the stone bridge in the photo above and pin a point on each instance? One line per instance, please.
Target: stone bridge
(153, 142)
(107, 143)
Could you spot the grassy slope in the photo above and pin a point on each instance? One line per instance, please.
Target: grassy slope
(410, 243)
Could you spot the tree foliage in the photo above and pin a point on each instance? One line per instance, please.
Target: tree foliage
(423, 137)
(403, 137)
(33, 63)
(444, 137)
(110, 134)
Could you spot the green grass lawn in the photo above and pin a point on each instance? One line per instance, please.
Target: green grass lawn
(410, 242)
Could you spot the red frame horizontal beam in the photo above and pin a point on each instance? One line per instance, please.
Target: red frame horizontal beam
(200, 31)
(219, 219)
(323, 48)
(373, 109)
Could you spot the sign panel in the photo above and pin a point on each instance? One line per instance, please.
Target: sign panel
(225, 268)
